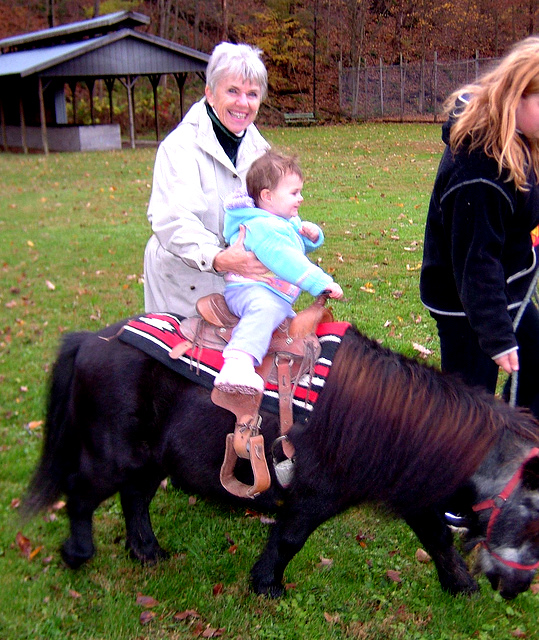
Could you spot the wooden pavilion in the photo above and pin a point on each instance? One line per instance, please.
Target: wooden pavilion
(36, 67)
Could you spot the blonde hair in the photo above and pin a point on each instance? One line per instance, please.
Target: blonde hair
(488, 121)
(267, 171)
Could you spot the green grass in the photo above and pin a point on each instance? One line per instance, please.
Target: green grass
(73, 231)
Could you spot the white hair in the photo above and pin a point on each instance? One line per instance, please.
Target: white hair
(237, 60)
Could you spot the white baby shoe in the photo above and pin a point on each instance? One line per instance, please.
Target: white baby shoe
(238, 375)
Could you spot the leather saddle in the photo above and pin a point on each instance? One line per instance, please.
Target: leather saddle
(292, 353)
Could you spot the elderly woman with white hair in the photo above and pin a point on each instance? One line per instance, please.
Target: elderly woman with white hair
(197, 165)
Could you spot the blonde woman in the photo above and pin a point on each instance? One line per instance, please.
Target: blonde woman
(478, 261)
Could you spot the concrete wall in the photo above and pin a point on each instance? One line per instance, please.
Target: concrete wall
(99, 137)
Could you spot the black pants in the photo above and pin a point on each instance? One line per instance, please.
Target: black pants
(460, 353)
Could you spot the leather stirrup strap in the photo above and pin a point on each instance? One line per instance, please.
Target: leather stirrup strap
(284, 365)
(262, 479)
(244, 407)
(242, 443)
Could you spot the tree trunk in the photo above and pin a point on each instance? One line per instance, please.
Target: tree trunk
(51, 14)
(224, 8)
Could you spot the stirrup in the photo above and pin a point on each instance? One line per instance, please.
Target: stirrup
(246, 442)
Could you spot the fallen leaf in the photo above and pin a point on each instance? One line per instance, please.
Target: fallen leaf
(217, 589)
(267, 520)
(423, 351)
(395, 576)
(49, 285)
(519, 633)
(367, 288)
(325, 562)
(192, 500)
(147, 616)
(74, 594)
(146, 601)
(333, 618)
(34, 553)
(24, 544)
(198, 628)
(15, 503)
(422, 556)
(210, 632)
(184, 615)
(34, 424)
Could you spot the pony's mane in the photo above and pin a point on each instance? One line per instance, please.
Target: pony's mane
(393, 426)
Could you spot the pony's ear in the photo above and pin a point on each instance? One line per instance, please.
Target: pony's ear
(530, 474)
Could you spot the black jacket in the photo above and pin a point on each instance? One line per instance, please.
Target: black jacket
(478, 257)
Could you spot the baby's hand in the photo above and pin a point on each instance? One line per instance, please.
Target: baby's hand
(310, 231)
(335, 290)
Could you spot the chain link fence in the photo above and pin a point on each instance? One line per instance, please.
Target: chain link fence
(407, 90)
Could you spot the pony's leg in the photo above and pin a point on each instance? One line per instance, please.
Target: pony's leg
(81, 504)
(434, 534)
(288, 535)
(140, 538)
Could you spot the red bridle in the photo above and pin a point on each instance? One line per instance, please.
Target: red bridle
(496, 504)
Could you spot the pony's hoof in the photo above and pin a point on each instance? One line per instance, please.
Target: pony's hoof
(75, 558)
(270, 590)
(467, 588)
(148, 558)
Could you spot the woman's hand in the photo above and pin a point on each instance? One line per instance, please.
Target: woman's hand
(237, 260)
(508, 362)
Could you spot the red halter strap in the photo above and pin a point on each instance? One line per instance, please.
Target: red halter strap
(496, 504)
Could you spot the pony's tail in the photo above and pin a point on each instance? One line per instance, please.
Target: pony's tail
(60, 448)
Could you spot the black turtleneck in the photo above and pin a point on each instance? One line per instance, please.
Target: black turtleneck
(228, 140)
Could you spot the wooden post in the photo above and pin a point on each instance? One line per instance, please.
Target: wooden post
(73, 87)
(401, 65)
(366, 91)
(381, 88)
(180, 81)
(90, 83)
(3, 124)
(435, 99)
(340, 85)
(23, 123)
(422, 85)
(315, 38)
(154, 80)
(43, 117)
(129, 84)
(109, 83)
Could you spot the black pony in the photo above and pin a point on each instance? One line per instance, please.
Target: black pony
(385, 428)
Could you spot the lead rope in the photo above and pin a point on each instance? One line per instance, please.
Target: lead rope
(531, 293)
